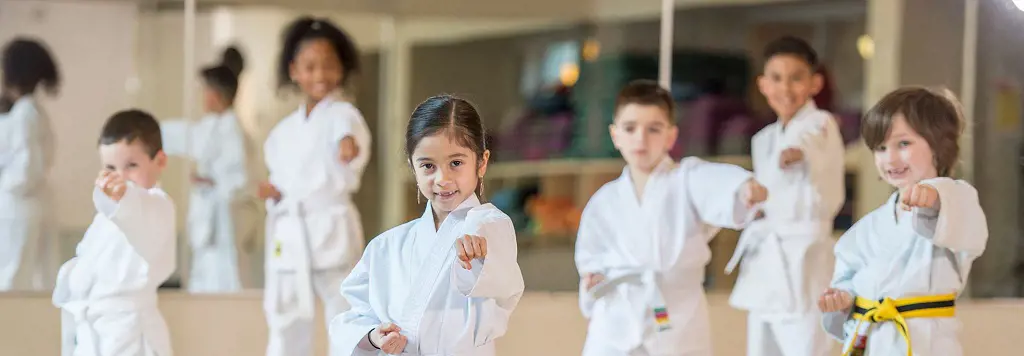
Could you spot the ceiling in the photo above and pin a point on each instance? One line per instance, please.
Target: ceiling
(567, 9)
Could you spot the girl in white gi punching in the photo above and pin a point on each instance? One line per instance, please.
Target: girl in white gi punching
(447, 282)
(316, 157)
(900, 269)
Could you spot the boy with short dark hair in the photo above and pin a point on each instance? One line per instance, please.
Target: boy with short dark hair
(787, 255)
(643, 239)
(108, 291)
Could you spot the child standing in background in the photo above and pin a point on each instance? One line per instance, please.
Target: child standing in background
(643, 239)
(316, 157)
(787, 254)
(217, 146)
(29, 254)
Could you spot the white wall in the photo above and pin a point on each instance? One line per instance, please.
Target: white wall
(998, 140)
(94, 45)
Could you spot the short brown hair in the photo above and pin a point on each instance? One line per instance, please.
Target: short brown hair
(646, 92)
(131, 125)
(936, 116)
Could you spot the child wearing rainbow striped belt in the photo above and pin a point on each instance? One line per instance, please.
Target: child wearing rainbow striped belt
(643, 239)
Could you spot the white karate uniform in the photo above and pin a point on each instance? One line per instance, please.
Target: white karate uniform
(29, 254)
(787, 256)
(923, 253)
(217, 146)
(108, 291)
(314, 233)
(653, 252)
(410, 276)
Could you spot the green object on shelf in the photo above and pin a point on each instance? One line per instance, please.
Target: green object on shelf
(593, 96)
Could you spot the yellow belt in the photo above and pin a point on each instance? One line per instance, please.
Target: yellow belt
(898, 310)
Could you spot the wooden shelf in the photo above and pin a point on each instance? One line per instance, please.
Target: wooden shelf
(601, 166)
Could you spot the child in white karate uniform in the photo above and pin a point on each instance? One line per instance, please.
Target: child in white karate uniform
(787, 255)
(643, 239)
(108, 291)
(29, 254)
(316, 157)
(900, 269)
(217, 146)
(447, 282)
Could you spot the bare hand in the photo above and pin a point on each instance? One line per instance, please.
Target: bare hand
(592, 279)
(347, 149)
(389, 338)
(471, 247)
(790, 156)
(268, 191)
(200, 180)
(759, 215)
(112, 184)
(919, 195)
(834, 300)
(753, 193)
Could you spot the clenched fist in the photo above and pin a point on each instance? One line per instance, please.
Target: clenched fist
(919, 195)
(388, 339)
(790, 156)
(753, 193)
(347, 149)
(834, 300)
(112, 184)
(471, 247)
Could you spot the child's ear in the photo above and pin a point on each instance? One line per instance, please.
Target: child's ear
(611, 132)
(817, 82)
(480, 172)
(673, 135)
(762, 83)
(160, 159)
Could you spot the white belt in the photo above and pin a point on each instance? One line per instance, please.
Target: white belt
(758, 231)
(655, 307)
(313, 203)
(298, 210)
(82, 310)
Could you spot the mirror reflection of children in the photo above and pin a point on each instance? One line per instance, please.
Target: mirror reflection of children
(29, 255)
(316, 157)
(217, 146)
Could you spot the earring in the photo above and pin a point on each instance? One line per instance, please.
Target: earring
(481, 187)
(418, 195)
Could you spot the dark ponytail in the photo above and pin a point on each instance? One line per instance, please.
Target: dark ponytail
(223, 77)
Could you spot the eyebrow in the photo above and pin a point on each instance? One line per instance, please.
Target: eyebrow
(454, 155)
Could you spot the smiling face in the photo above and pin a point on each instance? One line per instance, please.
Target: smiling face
(317, 69)
(788, 83)
(447, 173)
(904, 158)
